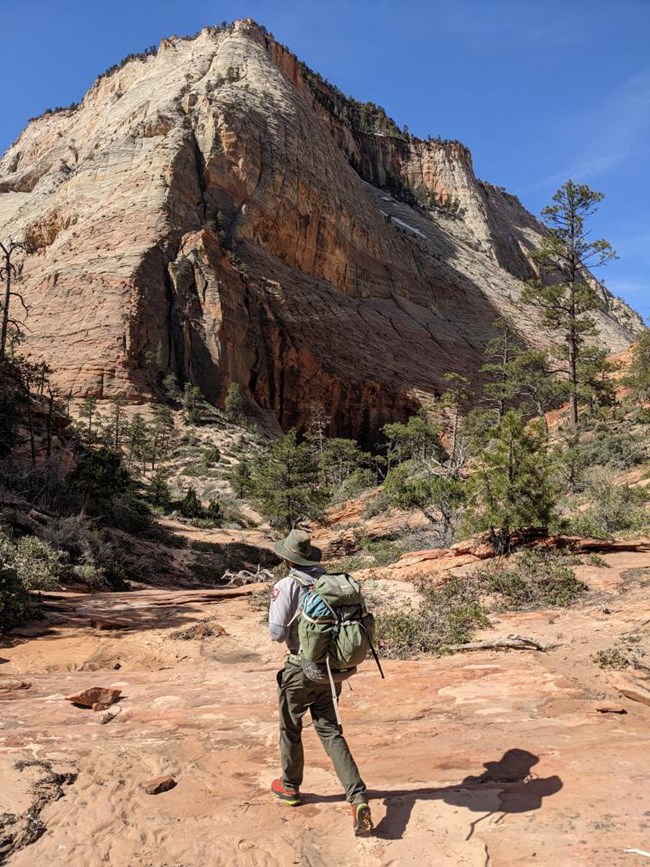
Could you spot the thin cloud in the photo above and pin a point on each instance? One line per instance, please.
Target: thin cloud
(617, 132)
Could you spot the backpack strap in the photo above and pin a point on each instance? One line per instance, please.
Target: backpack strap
(335, 698)
(304, 586)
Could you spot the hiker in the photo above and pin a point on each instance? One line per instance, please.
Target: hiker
(297, 693)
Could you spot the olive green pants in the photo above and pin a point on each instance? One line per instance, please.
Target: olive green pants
(297, 694)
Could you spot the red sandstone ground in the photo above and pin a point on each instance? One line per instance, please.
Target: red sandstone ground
(487, 758)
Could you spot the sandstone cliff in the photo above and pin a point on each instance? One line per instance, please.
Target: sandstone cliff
(216, 209)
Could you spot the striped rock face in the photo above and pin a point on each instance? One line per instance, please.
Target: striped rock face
(216, 210)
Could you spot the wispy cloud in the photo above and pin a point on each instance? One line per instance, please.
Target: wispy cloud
(617, 131)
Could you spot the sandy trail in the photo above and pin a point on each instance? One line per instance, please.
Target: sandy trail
(488, 758)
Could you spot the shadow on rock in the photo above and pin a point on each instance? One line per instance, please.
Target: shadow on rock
(505, 786)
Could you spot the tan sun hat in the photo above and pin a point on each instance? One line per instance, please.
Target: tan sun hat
(297, 548)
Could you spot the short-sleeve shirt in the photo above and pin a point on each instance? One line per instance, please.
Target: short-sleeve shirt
(285, 603)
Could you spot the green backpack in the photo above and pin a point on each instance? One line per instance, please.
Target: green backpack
(335, 629)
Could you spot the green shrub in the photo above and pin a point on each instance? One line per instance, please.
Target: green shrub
(376, 506)
(211, 456)
(89, 575)
(190, 506)
(16, 605)
(610, 658)
(607, 446)
(38, 564)
(383, 551)
(538, 578)
(448, 615)
(614, 509)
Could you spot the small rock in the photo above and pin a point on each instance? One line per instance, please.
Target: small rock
(117, 666)
(110, 715)
(104, 624)
(158, 785)
(609, 707)
(14, 684)
(97, 697)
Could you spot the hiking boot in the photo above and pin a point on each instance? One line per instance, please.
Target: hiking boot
(361, 820)
(288, 796)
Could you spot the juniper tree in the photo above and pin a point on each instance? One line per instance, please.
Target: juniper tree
(564, 291)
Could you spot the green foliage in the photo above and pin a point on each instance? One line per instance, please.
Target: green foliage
(159, 492)
(638, 378)
(87, 411)
(511, 485)
(190, 506)
(192, 400)
(611, 509)
(611, 658)
(538, 578)
(448, 615)
(235, 403)
(172, 389)
(610, 446)
(16, 605)
(356, 483)
(341, 458)
(286, 482)
(564, 293)
(213, 511)
(241, 478)
(38, 564)
(413, 486)
(99, 476)
(417, 439)
(211, 456)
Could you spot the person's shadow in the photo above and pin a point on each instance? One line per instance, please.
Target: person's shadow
(505, 786)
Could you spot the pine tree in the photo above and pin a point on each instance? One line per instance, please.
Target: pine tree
(192, 403)
(286, 482)
(638, 378)
(564, 292)
(510, 487)
(87, 411)
(137, 441)
(241, 478)
(190, 506)
(235, 404)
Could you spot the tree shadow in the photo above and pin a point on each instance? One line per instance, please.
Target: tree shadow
(505, 786)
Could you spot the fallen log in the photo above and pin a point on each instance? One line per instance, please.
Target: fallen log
(511, 642)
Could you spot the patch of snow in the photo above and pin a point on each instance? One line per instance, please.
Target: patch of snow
(387, 198)
(410, 228)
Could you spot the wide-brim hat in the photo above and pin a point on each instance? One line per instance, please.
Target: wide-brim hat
(297, 548)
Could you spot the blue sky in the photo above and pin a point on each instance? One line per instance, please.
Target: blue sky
(540, 91)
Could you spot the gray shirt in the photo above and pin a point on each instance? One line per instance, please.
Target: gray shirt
(286, 598)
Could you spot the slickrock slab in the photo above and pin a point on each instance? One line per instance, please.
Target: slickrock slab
(630, 687)
(97, 697)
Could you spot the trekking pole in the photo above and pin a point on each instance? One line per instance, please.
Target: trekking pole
(374, 653)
